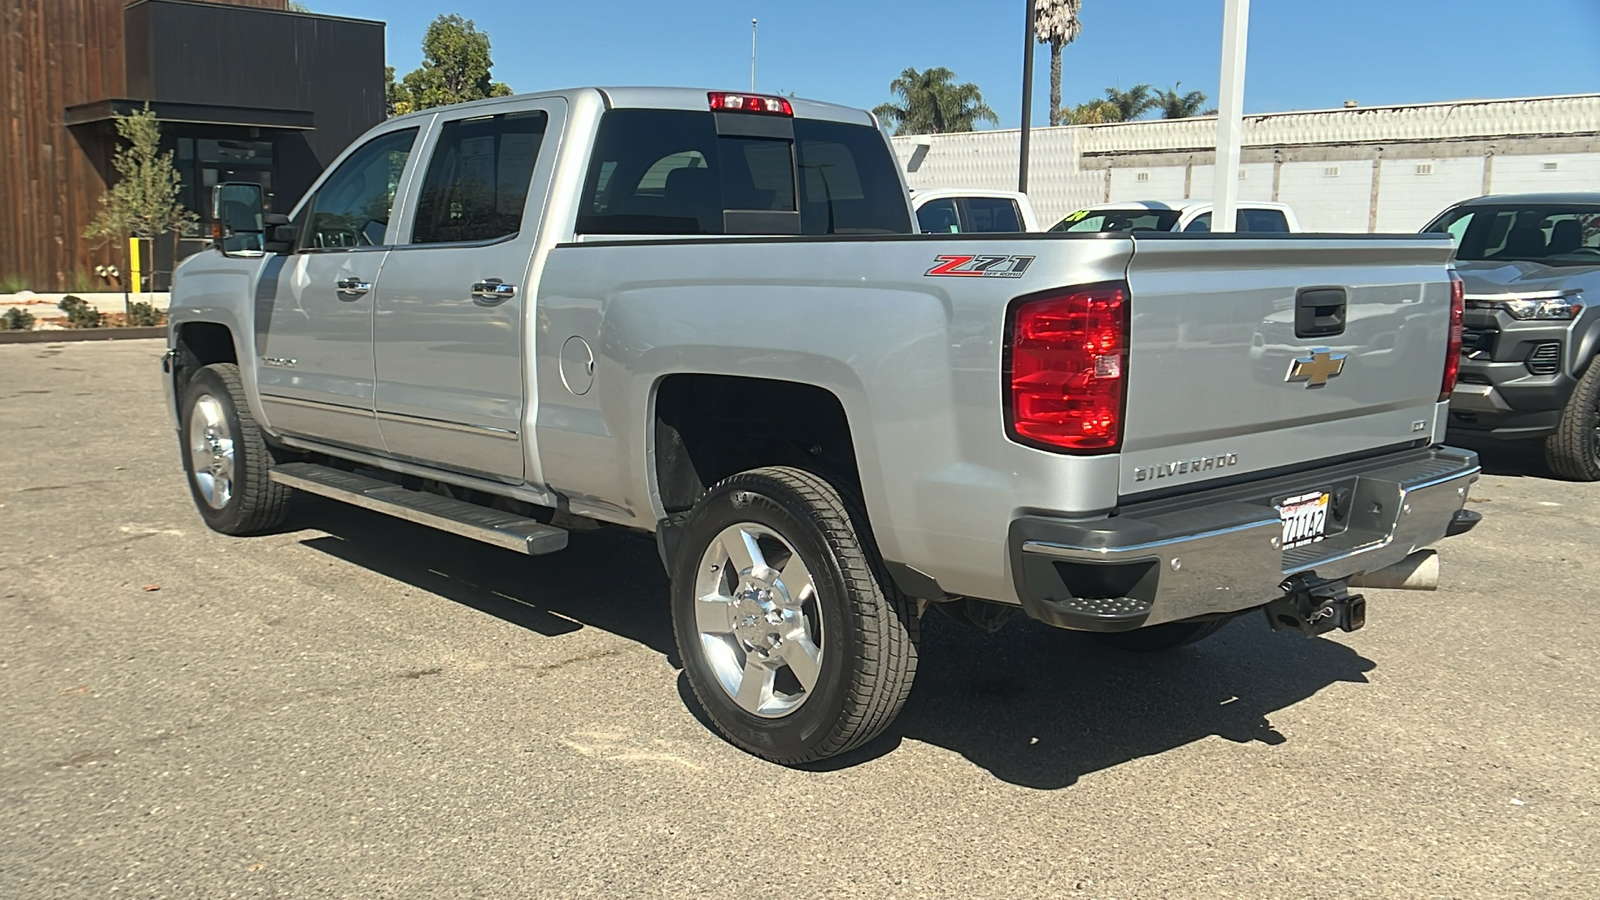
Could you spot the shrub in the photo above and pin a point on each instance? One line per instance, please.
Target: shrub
(143, 315)
(13, 283)
(16, 319)
(80, 314)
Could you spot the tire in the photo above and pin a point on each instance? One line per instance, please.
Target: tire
(739, 614)
(1573, 452)
(226, 457)
(1166, 636)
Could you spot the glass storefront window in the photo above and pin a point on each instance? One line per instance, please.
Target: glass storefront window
(235, 152)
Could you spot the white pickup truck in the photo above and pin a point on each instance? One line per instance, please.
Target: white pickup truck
(708, 317)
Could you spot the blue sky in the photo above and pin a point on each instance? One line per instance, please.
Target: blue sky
(1303, 54)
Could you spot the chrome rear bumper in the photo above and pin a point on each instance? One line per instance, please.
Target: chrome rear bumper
(1218, 552)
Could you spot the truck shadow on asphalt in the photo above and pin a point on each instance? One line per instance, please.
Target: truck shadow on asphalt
(1032, 705)
(1512, 459)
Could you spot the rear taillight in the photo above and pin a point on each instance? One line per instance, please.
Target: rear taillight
(1452, 356)
(1066, 368)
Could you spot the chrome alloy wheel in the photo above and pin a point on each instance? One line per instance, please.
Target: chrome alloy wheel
(211, 450)
(759, 623)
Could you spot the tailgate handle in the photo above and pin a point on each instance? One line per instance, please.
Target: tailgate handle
(1319, 312)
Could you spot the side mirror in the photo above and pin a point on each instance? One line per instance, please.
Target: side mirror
(237, 208)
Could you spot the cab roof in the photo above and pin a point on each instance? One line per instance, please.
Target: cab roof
(1583, 197)
(668, 98)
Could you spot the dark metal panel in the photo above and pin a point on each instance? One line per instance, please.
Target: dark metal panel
(193, 113)
(56, 54)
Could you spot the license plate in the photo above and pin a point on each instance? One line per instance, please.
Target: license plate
(1305, 519)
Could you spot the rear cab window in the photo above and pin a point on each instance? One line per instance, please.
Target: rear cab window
(672, 172)
(1259, 221)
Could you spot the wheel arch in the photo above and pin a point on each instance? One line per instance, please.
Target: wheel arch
(704, 430)
(195, 345)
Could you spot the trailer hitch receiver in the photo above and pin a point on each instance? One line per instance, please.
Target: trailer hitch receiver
(1314, 606)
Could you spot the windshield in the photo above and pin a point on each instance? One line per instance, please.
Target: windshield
(1119, 220)
(1549, 234)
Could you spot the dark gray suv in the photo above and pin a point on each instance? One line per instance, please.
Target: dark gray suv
(1531, 267)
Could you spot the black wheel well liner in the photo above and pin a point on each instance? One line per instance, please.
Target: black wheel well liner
(200, 344)
(708, 427)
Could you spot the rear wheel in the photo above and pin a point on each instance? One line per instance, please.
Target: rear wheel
(1166, 636)
(1573, 452)
(226, 457)
(793, 641)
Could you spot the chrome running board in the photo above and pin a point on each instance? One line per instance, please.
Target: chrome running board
(469, 520)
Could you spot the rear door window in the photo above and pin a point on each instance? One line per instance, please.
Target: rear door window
(991, 214)
(1252, 220)
(477, 181)
(1263, 220)
(670, 172)
(939, 217)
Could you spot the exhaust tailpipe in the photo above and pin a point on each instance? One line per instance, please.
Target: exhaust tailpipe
(1417, 572)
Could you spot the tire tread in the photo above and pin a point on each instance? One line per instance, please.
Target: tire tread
(889, 625)
(1569, 452)
(263, 504)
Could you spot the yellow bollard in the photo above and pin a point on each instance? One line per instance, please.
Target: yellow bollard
(134, 284)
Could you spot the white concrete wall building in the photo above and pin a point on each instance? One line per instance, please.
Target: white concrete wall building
(1381, 168)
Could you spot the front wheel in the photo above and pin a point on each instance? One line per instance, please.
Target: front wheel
(794, 642)
(226, 457)
(1573, 452)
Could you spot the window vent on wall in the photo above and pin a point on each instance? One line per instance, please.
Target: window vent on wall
(1331, 172)
(1550, 166)
(1142, 176)
(1424, 168)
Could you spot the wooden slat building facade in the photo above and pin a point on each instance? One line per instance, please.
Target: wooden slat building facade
(245, 90)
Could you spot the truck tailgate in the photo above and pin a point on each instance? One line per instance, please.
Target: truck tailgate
(1227, 375)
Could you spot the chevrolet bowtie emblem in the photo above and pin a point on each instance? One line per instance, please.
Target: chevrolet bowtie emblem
(1316, 369)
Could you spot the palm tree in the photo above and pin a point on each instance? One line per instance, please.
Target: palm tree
(1174, 105)
(1055, 22)
(932, 103)
(1131, 103)
(1095, 112)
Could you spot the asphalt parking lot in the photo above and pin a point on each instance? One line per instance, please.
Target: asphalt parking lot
(360, 707)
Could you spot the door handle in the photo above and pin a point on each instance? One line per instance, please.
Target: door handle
(493, 290)
(351, 288)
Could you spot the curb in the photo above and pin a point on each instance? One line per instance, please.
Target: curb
(67, 335)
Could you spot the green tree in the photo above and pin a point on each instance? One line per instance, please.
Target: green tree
(396, 102)
(1174, 105)
(455, 68)
(932, 103)
(144, 201)
(298, 7)
(1131, 103)
(1095, 112)
(1055, 22)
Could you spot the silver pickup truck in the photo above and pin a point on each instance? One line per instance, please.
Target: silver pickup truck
(708, 317)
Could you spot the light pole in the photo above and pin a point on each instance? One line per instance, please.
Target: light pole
(1027, 98)
(752, 56)
(1230, 114)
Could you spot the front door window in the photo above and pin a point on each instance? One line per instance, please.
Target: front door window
(351, 208)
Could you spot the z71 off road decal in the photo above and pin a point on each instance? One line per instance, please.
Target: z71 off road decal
(980, 266)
